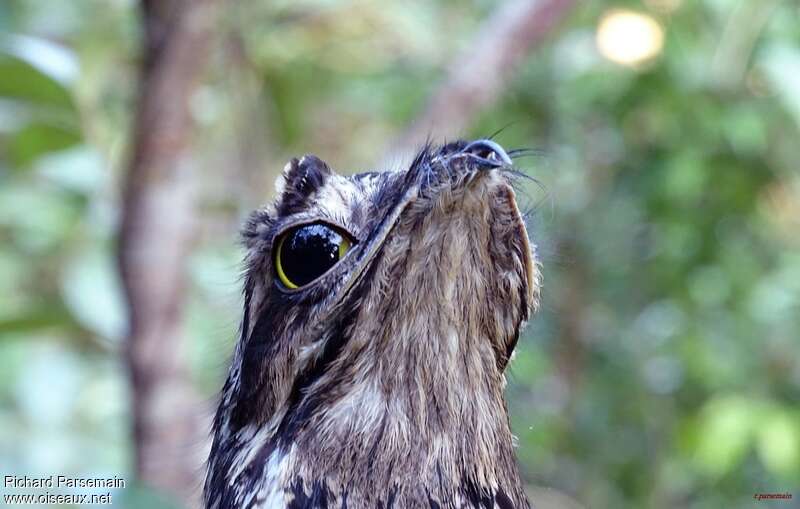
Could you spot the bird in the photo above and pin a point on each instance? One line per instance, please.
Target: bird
(381, 311)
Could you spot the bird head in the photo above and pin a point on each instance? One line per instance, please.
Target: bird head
(383, 301)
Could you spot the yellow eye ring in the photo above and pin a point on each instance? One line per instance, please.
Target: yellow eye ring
(312, 251)
(279, 267)
(344, 247)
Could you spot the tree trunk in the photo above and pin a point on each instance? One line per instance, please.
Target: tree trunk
(154, 240)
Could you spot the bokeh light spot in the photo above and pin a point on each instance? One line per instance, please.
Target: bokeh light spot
(629, 38)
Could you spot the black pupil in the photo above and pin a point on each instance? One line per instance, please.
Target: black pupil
(308, 252)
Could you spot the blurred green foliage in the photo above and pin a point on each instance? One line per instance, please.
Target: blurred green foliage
(663, 368)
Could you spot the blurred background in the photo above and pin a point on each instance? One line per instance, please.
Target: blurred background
(662, 370)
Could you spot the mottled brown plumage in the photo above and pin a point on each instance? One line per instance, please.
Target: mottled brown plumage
(380, 383)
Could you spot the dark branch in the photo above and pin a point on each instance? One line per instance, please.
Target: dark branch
(480, 74)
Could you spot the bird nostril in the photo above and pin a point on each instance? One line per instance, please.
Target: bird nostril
(488, 151)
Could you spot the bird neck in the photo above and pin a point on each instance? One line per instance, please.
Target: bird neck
(428, 417)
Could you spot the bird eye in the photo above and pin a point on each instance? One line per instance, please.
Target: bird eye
(307, 252)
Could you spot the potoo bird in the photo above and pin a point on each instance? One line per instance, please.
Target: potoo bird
(380, 313)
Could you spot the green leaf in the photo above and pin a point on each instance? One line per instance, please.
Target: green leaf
(38, 139)
(779, 443)
(34, 320)
(23, 81)
(726, 432)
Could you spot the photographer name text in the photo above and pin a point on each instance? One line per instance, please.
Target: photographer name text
(62, 481)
